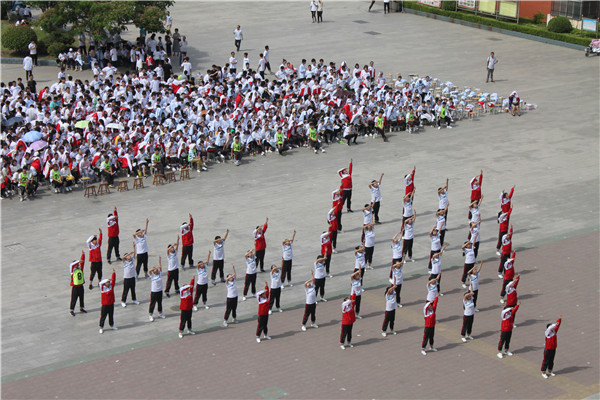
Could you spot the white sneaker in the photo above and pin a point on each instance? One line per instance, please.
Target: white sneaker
(423, 352)
(350, 345)
(280, 310)
(270, 312)
(180, 335)
(235, 321)
(394, 332)
(464, 339)
(101, 331)
(544, 375)
(161, 316)
(335, 251)
(477, 310)
(464, 286)
(135, 302)
(203, 168)
(441, 294)
(224, 323)
(322, 150)
(470, 337)
(206, 307)
(244, 298)
(195, 308)
(499, 355)
(449, 127)
(291, 285)
(399, 305)
(114, 328)
(123, 304)
(439, 127)
(303, 328)
(508, 353)
(369, 267)
(151, 318)
(324, 299)
(433, 349)
(191, 332)
(330, 276)
(341, 345)
(498, 253)
(500, 276)
(552, 374)
(358, 316)
(383, 334)
(501, 301)
(267, 337)
(314, 325)
(257, 340)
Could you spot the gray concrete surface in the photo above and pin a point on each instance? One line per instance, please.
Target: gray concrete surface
(551, 154)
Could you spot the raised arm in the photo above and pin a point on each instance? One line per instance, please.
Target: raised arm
(207, 258)
(398, 234)
(177, 243)
(146, 228)
(226, 234)
(446, 187)
(159, 263)
(293, 236)
(381, 178)
(234, 274)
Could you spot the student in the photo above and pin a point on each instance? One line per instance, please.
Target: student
(398, 280)
(474, 283)
(476, 183)
(550, 348)
(107, 290)
(77, 281)
(112, 222)
(505, 199)
(232, 297)
(275, 296)
(433, 290)
(260, 244)
(360, 259)
(337, 205)
(326, 250)
(172, 267)
(375, 187)
(129, 278)
(408, 237)
(369, 243)
(429, 313)
(218, 257)
(348, 319)
(288, 256)
(436, 267)
(202, 283)
(250, 279)
(407, 206)
(367, 218)
(236, 151)
(156, 290)
(506, 249)
(474, 232)
(310, 308)
(441, 222)
(443, 198)
(436, 244)
(409, 182)
(468, 316)
(390, 310)
(332, 221)
(503, 220)
(509, 274)
(346, 186)
(469, 252)
(508, 318)
(141, 249)
(511, 292)
(357, 289)
(264, 304)
(319, 276)
(186, 294)
(187, 241)
(95, 256)
(57, 182)
(397, 249)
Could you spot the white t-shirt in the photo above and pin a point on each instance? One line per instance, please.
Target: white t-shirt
(436, 244)
(469, 306)
(367, 216)
(397, 276)
(408, 209)
(356, 287)
(311, 295)
(202, 276)
(397, 250)
(474, 278)
(287, 252)
(491, 61)
(469, 255)
(219, 251)
(436, 265)
(359, 262)
(237, 33)
(432, 291)
(129, 269)
(319, 270)
(370, 238)
(443, 200)
(250, 265)
(276, 279)
(141, 245)
(408, 231)
(232, 291)
(376, 193)
(156, 282)
(390, 302)
(441, 223)
(173, 261)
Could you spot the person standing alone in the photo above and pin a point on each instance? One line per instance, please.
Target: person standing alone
(489, 64)
(238, 36)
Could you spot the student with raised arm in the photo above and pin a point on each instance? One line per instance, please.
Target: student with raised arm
(141, 249)
(232, 297)
(356, 289)
(505, 199)
(333, 227)
(218, 257)
(443, 198)
(503, 220)
(202, 282)
(186, 294)
(77, 281)
(436, 267)
(337, 205)
(390, 310)
(346, 186)
(129, 278)
(260, 245)
(319, 276)
(288, 256)
(172, 267)
(429, 314)
(468, 316)
(474, 282)
(474, 232)
(550, 348)
(409, 235)
(156, 291)
(375, 187)
(326, 250)
(95, 256)
(367, 218)
(433, 287)
(474, 210)
(369, 243)
(509, 274)
(476, 183)
(398, 280)
(250, 279)
(508, 318)
(409, 181)
(187, 242)
(264, 302)
(436, 244)
(407, 206)
(506, 250)
(348, 319)
(511, 291)
(469, 252)
(275, 288)
(107, 290)
(112, 222)
(397, 249)
(310, 308)
(440, 223)
(359, 259)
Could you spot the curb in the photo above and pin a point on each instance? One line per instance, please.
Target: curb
(15, 60)
(494, 29)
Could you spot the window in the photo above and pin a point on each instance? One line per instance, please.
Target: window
(574, 8)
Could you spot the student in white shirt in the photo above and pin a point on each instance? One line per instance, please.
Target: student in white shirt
(251, 271)
(141, 249)
(233, 63)
(156, 291)
(468, 316)
(129, 278)
(172, 267)
(232, 297)
(398, 280)
(390, 310)
(286, 267)
(319, 275)
(357, 289)
(218, 257)
(474, 283)
(369, 243)
(409, 235)
(201, 283)
(310, 308)
(376, 197)
(275, 288)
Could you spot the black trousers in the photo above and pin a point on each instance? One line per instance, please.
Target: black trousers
(260, 259)
(334, 239)
(107, 310)
(172, 277)
(357, 304)
(504, 340)
(217, 266)
(263, 320)
(466, 269)
(238, 43)
(142, 259)
(346, 196)
(201, 290)
(320, 285)
(386, 7)
(499, 244)
(475, 293)
(398, 290)
(338, 215)
(309, 310)
(155, 299)
(503, 260)
(504, 283)
(376, 206)
(327, 262)
(369, 255)
(442, 236)
(428, 336)
(548, 363)
(346, 334)
(250, 281)
(467, 325)
(390, 317)
(95, 268)
(128, 284)
(476, 249)
(286, 270)
(187, 252)
(231, 307)
(407, 247)
(275, 297)
(77, 293)
(113, 243)
(186, 318)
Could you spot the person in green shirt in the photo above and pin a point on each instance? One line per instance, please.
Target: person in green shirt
(313, 138)
(281, 147)
(444, 116)
(57, 182)
(107, 171)
(24, 181)
(236, 150)
(157, 162)
(380, 125)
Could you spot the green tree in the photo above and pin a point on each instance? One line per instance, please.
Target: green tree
(98, 17)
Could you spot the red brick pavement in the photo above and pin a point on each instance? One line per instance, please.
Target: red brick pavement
(557, 278)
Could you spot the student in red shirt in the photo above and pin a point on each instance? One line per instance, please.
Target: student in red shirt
(107, 289)
(505, 199)
(509, 274)
(263, 298)
(336, 197)
(186, 293)
(409, 181)
(187, 241)
(77, 281)
(346, 176)
(429, 313)
(112, 221)
(260, 244)
(503, 220)
(95, 256)
(348, 318)
(506, 249)
(476, 187)
(550, 348)
(508, 319)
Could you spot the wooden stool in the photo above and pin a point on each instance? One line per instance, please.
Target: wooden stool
(184, 174)
(138, 182)
(103, 188)
(123, 186)
(85, 181)
(170, 176)
(159, 179)
(90, 190)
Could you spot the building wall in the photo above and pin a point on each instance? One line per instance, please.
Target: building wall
(528, 8)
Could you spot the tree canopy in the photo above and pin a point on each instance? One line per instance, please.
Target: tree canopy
(97, 17)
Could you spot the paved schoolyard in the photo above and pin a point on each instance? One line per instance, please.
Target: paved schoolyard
(551, 154)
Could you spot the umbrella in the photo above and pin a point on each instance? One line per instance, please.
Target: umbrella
(40, 144)
(114, 125)
(12, 121)
(32, 136)
(82, 124)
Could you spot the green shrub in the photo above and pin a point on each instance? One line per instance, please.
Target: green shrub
(63, 37)
(538, 18)
(449, 5)
(560, 25)
(42, 48)
(17, 38)
(55, 48)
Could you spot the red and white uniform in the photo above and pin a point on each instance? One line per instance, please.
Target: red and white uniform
(348, 314)
(511, 292)
(326, 246)
(187, 234)
(430, 314)
(509, 270)
(332, 220)
(79, 263)
(336, 197)
(346, 178)
(259, 238)
(551, 341)
(505, 201)
(504, 219)
(263, 304)
(409, 182)
(476, 188)
(107, 289)
(507, 243)
(95, 254)
(186, 294)
(113, 225)
(508, 319)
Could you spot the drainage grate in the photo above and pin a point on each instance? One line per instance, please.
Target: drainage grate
(373, 33)
(360, 21)
(15, 247)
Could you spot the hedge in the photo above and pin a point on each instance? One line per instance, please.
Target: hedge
(560, 25)
(477, 19)
(17, 38)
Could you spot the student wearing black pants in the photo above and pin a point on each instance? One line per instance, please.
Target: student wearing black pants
(286, 266)
(141, 249)
(390, 310)
(173, 267)
(276, 284)
(310, 308)
(232, 297)
(156, 290)
(107, 290)
(142, 260)
(319, 274)
(468, 316)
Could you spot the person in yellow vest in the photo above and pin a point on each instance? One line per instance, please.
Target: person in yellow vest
(236, 150)
(157, 162)
(57, 182)
(410, 120)
(106, 170)
(24, 184)
(380, 125)
(313, 139)
(281, 147)
(444, 116)
(77, 281)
